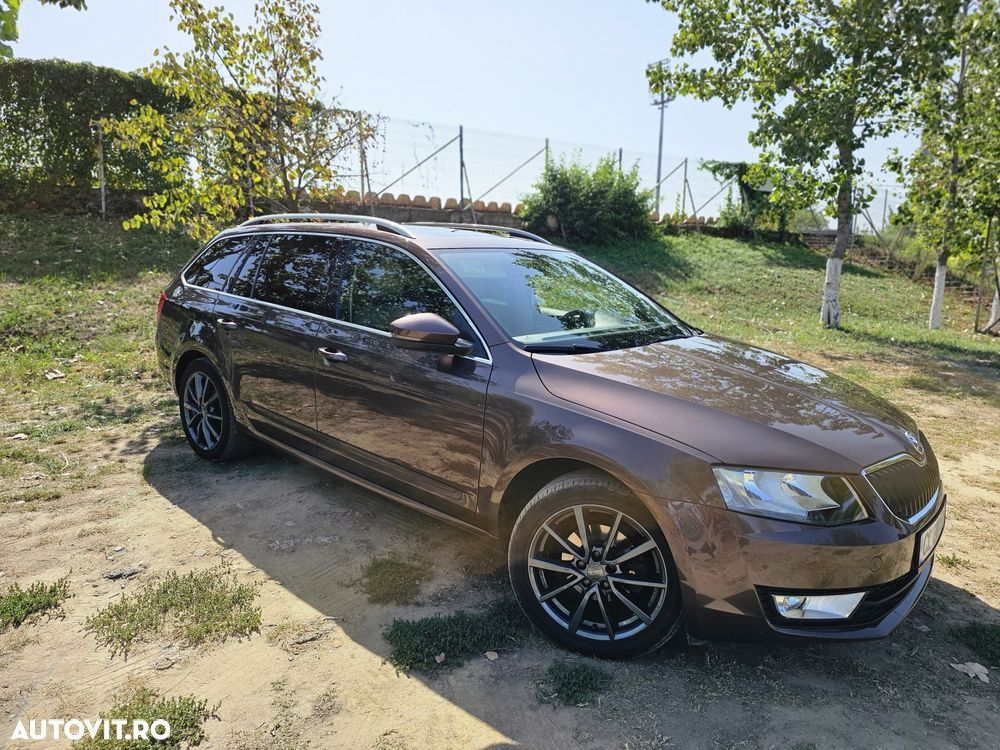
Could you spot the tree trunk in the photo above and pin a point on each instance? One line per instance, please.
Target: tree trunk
(937, 301)
(994, 310)
(941, 272)
(829, 314)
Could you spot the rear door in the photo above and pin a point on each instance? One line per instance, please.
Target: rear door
(269, 325)
(408, 420)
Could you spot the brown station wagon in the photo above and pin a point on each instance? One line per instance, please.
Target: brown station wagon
(643, 474)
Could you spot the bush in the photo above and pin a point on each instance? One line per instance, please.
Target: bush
(589, 206)
(185, 714)
(47, 108)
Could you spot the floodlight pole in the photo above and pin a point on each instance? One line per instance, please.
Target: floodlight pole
(662, 100)
(659, 153)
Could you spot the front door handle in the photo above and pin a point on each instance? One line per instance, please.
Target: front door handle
(332, 355)
(227, 324)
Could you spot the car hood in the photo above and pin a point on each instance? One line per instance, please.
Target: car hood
(739, 404)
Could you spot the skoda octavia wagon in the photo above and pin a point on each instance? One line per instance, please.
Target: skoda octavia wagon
(642, 474)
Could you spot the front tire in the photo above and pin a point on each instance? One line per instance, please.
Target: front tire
(592, 570)
(207, 416)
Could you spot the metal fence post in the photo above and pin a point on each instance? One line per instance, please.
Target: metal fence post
(461, 167)
(684, 183)
(100, 167)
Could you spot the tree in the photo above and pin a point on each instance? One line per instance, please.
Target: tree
(252, 133)
(954, 176)
(8, 20)
(824, 79)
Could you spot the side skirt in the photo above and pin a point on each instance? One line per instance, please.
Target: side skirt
(371, 486)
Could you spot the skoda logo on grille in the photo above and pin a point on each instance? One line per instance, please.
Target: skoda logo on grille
(915, 442)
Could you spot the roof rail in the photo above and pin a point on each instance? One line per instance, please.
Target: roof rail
(523, 234)
(383, 224)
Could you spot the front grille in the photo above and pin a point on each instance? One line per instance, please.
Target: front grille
(906, 487)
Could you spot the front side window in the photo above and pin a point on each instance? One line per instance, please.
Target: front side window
(215, 266)
(293, 271)
(379, 284)
(551, 300)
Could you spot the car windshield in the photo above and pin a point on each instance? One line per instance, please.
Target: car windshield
(555, 301)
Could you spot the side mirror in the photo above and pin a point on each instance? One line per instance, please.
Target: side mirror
(428, 332)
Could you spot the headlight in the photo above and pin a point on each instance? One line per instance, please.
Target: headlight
(806, 498)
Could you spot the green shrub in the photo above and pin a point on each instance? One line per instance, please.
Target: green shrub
(590, 206)
(459, 636)
(18, 604)
(185, 714)
(47, 108)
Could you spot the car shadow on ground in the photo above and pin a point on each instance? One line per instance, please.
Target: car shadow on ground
(311, 534)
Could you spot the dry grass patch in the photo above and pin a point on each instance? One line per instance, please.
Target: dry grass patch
(392, 580)
(194, 608)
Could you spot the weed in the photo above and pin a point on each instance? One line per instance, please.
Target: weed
(18, 604)
(194, 608)
(983, 639)
(954, 561)
(572, 684)
(327, 704)
(459, 636)
(33, 495)
(185, 714)
(391, 580)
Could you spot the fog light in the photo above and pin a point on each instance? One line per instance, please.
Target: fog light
(810, 607)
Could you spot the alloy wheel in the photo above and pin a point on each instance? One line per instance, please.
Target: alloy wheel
(597, 572)
(203, 419)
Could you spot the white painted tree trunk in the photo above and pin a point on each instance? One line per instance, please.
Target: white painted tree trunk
(829, 314)
(937, 301)
(995, 310)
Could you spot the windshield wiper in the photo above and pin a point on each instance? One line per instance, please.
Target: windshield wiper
(562, 348)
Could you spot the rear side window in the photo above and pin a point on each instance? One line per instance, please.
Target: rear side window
(214, 267)
(293, 271)
(242, 283)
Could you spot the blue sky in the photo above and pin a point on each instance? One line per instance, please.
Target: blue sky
(571, 70)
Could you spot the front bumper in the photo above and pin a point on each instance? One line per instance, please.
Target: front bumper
(731, 564)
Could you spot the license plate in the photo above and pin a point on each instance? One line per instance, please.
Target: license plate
(930, 536)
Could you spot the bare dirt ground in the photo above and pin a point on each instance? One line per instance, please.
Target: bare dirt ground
(317, 673)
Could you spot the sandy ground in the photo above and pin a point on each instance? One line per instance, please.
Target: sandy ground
(304, 537)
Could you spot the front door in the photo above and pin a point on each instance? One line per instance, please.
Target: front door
(410, 421)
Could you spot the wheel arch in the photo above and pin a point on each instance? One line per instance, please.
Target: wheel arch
(185, 359)
(517, 491)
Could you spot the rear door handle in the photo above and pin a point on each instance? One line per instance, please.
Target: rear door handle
(332, 355)
(226, 323)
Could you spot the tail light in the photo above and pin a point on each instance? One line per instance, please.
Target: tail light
(159, 305)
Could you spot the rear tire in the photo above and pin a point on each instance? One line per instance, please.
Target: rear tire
(207, 416)
(592, 570)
